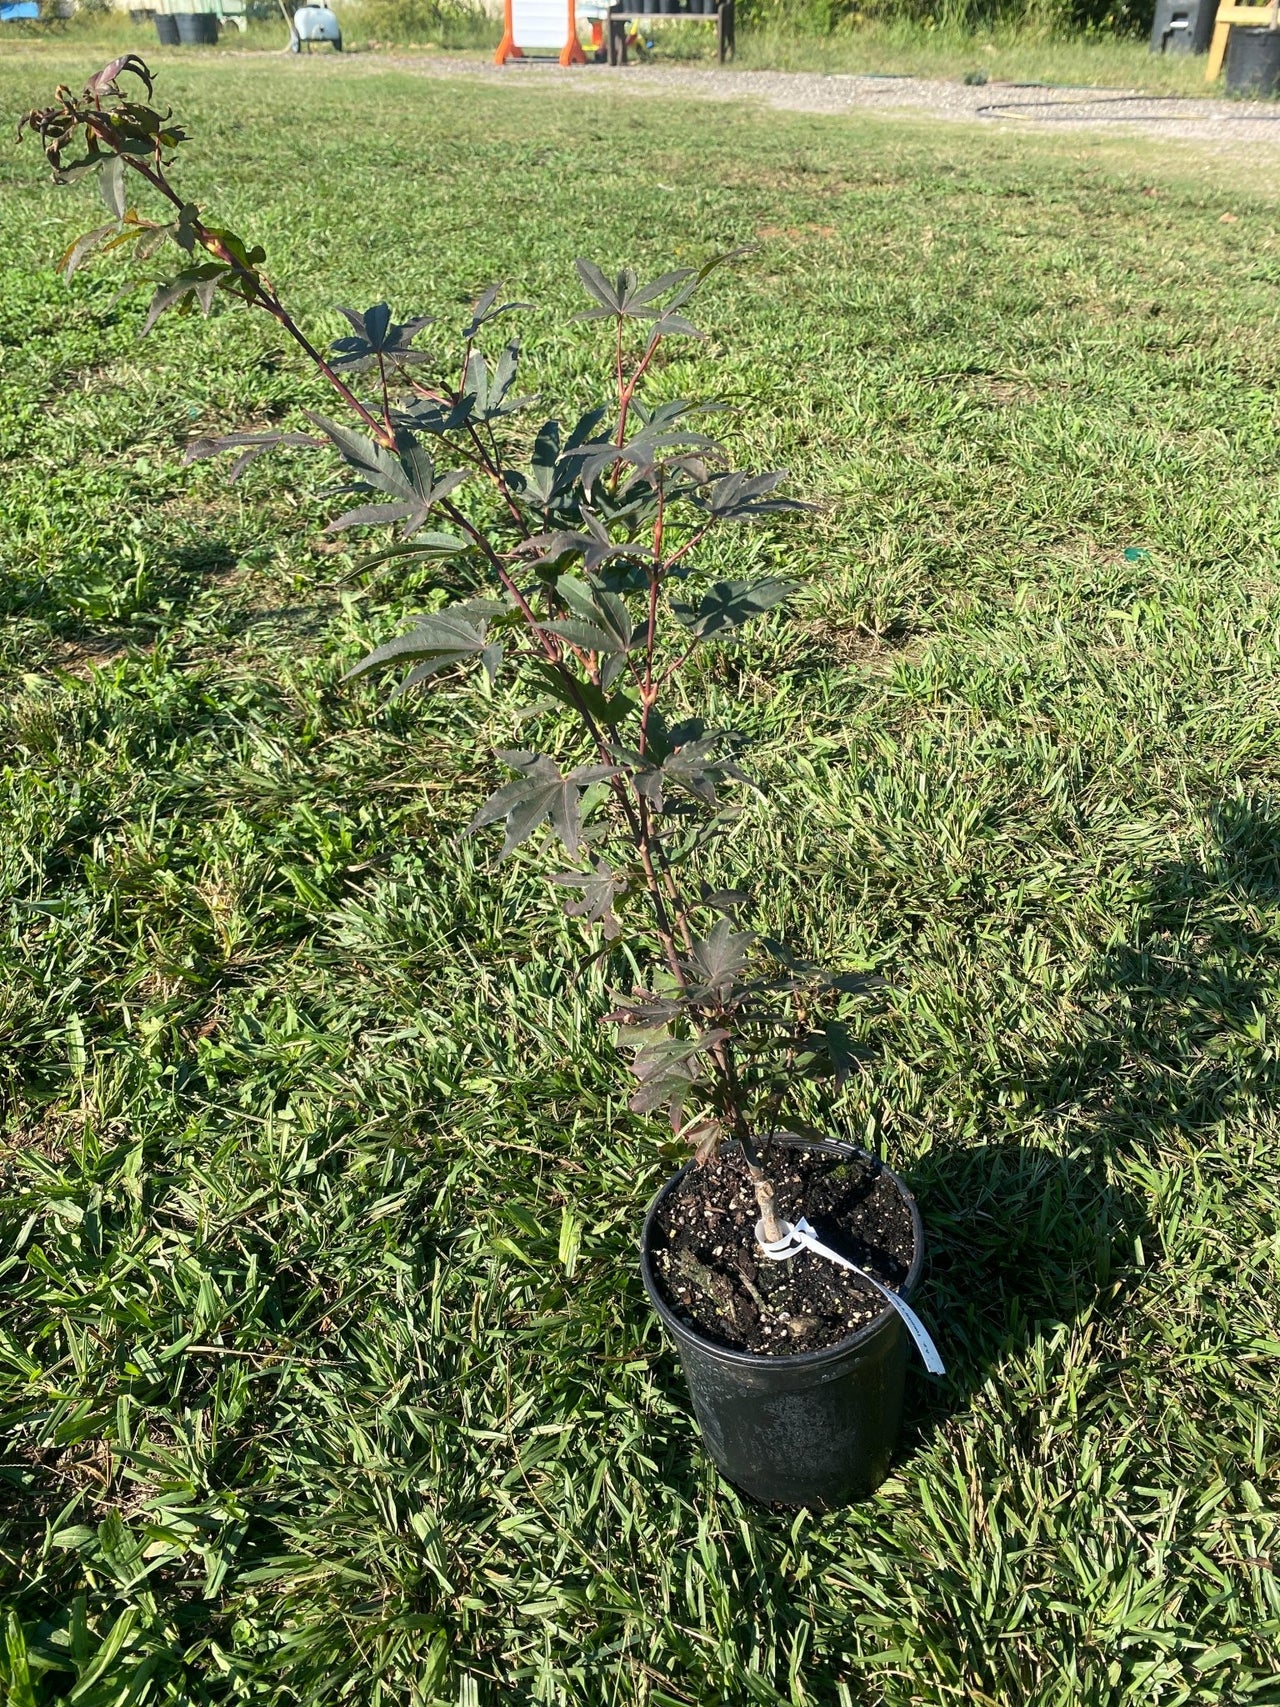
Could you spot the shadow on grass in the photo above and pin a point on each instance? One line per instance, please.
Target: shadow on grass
(1020, 1240)
(1171, 1049)
(111, 599)
(1173, 1038)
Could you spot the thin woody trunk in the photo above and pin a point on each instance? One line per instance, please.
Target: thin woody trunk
(763, 1187)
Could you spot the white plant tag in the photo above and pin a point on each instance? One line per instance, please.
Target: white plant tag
(802, 1237)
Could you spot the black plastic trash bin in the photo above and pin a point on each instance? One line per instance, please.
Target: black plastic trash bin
(1183, 26)
(197, 29)
(1253, 62)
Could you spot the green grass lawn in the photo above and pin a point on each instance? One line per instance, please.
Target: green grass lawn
(325, 1370)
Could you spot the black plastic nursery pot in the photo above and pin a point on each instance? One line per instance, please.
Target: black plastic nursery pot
(166, 29)
(1253, 62)
(814, 1428)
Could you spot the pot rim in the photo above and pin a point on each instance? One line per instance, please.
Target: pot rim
(794, 1359)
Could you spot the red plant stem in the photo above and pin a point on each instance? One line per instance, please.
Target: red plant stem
(627, 393)
(489, 462)
(679, 663)
(694, 539)
(266, 298)
(656, 577)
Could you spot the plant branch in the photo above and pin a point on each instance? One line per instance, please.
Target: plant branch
(258, 292)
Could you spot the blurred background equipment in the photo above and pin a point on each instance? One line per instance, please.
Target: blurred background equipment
(314, 24)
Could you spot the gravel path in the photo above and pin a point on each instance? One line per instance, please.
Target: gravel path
(1119, 112)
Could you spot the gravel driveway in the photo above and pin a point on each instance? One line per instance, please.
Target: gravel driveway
(1227, 123)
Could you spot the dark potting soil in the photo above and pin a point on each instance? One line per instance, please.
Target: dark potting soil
(714, 1276)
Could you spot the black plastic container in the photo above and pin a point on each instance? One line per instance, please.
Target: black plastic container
(197, 29)
(816, 1429)
(166, 29)
(1183, 26)
(1253, 62)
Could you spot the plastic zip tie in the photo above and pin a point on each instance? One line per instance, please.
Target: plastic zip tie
(802, 1237)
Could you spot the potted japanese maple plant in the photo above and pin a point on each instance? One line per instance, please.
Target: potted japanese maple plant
(568, 563)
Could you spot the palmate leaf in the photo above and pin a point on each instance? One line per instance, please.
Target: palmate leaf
(376, 336)
(664, 435)
(430, 415)
(624, 297)
(591, 542)
(716, 959)
(601, 624)
(668, 1069)
(602, 609)
(486, 396)
(406, 476)
(145, 235)
(554, 468)
(197, 285)
(652, 447)
(728, 604)
(829, 1052)
(692, 768)
(371, 463)
(540, 794)
(601, 887)
(743, 497)
(607, 709)
(486, 308)
(439, 641)
(77, 253)
(624, 294)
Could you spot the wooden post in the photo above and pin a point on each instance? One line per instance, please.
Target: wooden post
(1217, 51)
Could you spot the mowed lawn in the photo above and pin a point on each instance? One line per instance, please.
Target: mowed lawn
(325, 1370)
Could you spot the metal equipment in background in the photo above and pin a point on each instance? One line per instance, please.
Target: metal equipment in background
(314, 24)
